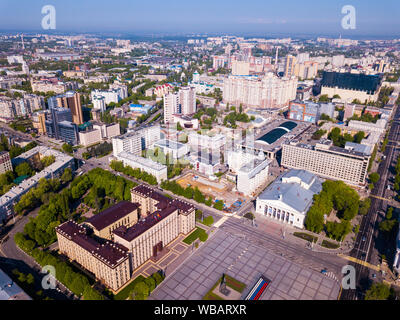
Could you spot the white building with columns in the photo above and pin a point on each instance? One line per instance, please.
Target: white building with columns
(288, 199)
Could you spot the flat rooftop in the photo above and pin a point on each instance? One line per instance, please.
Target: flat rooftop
(169, 144)
(145, 162)
(325, 145)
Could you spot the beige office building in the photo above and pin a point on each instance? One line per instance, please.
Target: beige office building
(124, 213)
(140, 230)
(108, 261)
(328, 161)
(154, 231)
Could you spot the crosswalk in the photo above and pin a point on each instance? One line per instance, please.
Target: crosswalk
(331, 275)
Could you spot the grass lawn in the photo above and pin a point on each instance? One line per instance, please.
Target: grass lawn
(124, 293)
(305, 236)
(194, 235)
(329, 245)
(208, 221)
(230, 282)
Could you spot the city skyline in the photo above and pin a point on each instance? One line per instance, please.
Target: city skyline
(255, 17)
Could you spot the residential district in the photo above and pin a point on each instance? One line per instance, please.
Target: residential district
(215, 168)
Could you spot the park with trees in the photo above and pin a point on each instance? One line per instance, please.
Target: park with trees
(336, 197)
(58, 199)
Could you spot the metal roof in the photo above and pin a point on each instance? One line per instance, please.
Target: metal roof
(298, 196)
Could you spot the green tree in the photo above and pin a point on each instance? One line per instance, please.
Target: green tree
(67, 175)
(141, 290)
(364, 206)
(151, 283)
(378, 291)
(374, 177)
(23, 169)
(157, 278)
(324, 98)
(67, 148)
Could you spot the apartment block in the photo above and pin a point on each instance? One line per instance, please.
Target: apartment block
(129, 142)
(268, 91)
(154, 168)
(5, 162)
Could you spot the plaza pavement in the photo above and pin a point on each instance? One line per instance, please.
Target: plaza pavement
(235, 256)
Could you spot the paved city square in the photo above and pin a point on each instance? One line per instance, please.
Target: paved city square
(224, 253)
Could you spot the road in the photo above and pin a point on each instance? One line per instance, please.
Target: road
(368, 246)
(16, 257)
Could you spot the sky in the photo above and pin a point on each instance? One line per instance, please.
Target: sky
(253, 17)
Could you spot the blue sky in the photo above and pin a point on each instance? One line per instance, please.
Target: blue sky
(218, 16)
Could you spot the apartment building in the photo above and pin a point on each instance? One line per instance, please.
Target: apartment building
(130, 142)
(347, 164)
(98, 133)
(12, 108)
(115, 94)
(56, 169)
(252, 175)
(205, 141)
(154, 168)
(5, 162)
(108, 261)
(47, 86)
(240, 68)
(182, 102)
(219, 62)
(268, 91)
(99, 103)
(290, 64)
(171, 105)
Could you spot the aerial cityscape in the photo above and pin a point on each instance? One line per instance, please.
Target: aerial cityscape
(250, 158)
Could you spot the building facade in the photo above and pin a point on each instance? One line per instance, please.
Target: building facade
(266, 92)
(109, 262)
(5, 162)
(327, 161)
(154, 168)
(289, 197)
